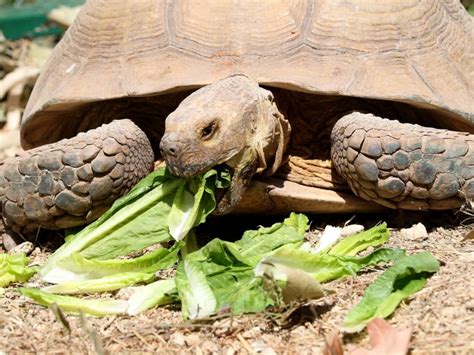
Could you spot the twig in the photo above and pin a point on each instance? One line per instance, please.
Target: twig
(19, 75)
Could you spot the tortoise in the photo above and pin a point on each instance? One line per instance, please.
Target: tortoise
(273, 89)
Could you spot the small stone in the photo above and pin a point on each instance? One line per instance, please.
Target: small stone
(85, 173)
(351, 229)
(68, 176)
(445, 185)
(35, 208)
(415, 232)
(71, 203)
(23, 248)
(432, 145)
(89, 153)
(422, 172)
(371, 147)
(193, 339)
(401, 160)
(111, 147)
(366, 168)
(51, 161)
(103, 164)
(100, 188)
(357, 139)
(177, 338)
(390, 187)
(73, 158)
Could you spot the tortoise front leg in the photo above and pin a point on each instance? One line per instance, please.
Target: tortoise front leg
(73, 181)
(403, 165)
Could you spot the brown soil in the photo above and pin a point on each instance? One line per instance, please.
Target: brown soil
(441, 315)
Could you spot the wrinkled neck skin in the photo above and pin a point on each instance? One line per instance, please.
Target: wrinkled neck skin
(232, 121)
(268, 133)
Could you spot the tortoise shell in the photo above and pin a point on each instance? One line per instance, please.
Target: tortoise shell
(415, 51)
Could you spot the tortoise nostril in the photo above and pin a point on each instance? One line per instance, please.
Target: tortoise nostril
(168, 149)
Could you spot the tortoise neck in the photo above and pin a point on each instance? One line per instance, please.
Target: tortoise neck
(271, 135)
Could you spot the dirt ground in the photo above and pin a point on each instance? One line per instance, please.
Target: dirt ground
(441, 315)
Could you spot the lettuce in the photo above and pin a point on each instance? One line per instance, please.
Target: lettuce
(351, 245)
(221, 275)
(154, 211)
(326, 267)
(69, 304)
(13, 268)
(407, 276)
(154, 294)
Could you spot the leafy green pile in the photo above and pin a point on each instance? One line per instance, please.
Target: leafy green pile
(266, 268)
(14, 268)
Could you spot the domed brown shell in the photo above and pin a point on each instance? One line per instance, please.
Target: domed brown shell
(416, 51)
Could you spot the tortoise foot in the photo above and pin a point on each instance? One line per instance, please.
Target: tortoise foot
(73, 181)
(403, 165)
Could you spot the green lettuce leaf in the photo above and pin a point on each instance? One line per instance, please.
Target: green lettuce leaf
(193, 202)
(326, 267)
(141, 218)
(256, 243)
(107, 283)
(221, 275)
(353, 244)
(157, 293)
(14, 268)
(69, 304)
(407, 276)
(197, 298)
(78, 268)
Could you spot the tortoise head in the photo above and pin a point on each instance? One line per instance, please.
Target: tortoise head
(232, 121)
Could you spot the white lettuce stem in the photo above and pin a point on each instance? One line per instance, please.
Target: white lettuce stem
(119, 218)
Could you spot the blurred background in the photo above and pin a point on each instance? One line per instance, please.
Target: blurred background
(29, 30)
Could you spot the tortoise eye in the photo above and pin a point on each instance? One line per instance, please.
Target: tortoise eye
(208, 131)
